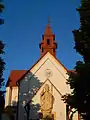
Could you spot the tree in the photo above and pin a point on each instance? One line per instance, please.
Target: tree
(2, 63)
(1, 10)
(79, 79)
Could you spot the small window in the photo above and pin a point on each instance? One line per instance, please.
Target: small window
(48, 41)
(40, 45)
(54, 50)
(53, 37)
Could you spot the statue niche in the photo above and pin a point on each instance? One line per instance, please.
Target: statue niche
(46, 102)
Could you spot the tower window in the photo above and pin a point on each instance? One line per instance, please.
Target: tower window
(48, 41)
(54, 50)
(53, 37)
(40, 45)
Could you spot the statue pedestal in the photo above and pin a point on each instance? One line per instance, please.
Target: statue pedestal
(46, 117)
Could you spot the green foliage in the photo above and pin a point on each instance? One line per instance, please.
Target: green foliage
(2, 63)
(82, 36)
(1, 10)
(79, 79)
(10, 110)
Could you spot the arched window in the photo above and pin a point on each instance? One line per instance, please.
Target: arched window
(48, 41)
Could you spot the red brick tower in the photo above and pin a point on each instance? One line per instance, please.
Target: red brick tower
(48, 43)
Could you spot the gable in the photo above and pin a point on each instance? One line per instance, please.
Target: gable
(45, 58)
(41, 88)
(57, 108)
(41, 61)
(47, 81)
(36, 78)
(18, 75)
(39, 73)
(57, 75)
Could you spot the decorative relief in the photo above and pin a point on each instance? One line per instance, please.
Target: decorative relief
(46, 102)
(48, 73)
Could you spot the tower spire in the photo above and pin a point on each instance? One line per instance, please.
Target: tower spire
(49, 21)
(48, 30)
(48, 43)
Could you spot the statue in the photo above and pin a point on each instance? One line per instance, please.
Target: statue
(46, 102)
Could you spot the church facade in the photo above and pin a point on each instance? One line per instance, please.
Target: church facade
(36, 93)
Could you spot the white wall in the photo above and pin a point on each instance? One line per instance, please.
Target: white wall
(14, 97)
(11, 96)
(36, 76)
(8, 96)
(59, 108)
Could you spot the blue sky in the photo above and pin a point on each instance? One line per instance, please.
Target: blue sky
(25, 22)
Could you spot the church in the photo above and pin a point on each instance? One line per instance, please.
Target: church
(36, 94)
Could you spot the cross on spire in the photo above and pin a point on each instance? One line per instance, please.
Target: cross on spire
(49, 21)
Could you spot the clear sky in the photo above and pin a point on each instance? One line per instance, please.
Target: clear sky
(25, 22)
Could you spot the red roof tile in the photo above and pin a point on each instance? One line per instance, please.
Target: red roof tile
(15, 75)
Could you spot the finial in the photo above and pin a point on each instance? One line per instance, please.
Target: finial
(49, 20)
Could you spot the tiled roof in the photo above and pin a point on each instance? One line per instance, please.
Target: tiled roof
(15, 75)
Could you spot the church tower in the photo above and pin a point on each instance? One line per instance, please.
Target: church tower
(25, 89)
(48, 43)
